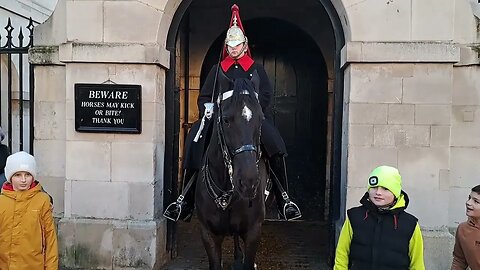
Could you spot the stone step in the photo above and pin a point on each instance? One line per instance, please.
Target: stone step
(294, 245)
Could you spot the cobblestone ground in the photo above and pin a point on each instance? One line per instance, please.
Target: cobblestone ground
(285, 246)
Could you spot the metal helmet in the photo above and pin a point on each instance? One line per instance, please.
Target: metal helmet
(235, 33)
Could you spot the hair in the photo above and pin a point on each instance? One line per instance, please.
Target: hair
(476, 189)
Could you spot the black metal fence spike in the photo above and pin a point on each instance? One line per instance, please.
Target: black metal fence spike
(9, 26)
(20, 38)
(9, 29)
(30, 29)
(17, 60)
(9, 44)
(30, 25)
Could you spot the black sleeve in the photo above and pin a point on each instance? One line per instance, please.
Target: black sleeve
(4, 153)
(266, 91)
(206, 91)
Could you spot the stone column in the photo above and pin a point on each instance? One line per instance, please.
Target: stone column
(107, 187)
(399, 98)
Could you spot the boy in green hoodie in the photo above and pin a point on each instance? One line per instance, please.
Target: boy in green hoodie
(380, 234)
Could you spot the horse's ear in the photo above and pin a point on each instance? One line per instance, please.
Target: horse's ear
(223, 81)
(256, 80)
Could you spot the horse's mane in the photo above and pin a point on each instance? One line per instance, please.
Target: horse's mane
(244, 90)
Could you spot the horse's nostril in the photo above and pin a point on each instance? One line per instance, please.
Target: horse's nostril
(248, 186)
(248, 189)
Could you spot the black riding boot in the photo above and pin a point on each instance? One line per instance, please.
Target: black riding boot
(183, 208)
(287, 209)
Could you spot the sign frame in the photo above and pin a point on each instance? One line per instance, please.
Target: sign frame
(90, 104)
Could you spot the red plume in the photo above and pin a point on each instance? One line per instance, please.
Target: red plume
(235, 13)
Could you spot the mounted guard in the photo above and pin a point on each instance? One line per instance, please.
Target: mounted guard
(236, 62)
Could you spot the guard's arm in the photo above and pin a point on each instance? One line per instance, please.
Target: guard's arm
(415, 250)
(342, 252)
(459, 262)
(206, 91)
(266, 91)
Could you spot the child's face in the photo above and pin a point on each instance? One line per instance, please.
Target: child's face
(21, 181)
(473, 205)
(381, 196)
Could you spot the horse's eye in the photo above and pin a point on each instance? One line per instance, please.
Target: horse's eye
(226, 121)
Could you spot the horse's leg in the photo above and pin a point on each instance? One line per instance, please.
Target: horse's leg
(213, 247)
(251, 240)
(238, 254)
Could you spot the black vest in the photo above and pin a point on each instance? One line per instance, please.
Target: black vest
(380, 240)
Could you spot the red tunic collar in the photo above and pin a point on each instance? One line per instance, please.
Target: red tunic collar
(245, 62)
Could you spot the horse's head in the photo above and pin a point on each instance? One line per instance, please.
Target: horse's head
(240, 120)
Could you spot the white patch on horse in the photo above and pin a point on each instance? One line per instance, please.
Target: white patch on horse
(247, 113)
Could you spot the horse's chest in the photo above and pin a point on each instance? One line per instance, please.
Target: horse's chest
(231, 222)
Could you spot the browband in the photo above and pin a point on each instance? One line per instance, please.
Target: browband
(229, 94)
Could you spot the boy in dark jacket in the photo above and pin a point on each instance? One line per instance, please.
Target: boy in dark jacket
(380, 234)
(466, 252)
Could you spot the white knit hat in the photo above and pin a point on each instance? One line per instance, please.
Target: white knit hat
(20, 162)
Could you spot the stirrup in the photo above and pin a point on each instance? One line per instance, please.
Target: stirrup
(173, 211)
(295, 214)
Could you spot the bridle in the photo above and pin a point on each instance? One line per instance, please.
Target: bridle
(222, 197)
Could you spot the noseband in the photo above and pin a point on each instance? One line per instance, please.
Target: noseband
(243, 148)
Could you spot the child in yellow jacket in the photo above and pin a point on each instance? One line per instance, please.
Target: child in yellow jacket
(380, 234)
(28, 239)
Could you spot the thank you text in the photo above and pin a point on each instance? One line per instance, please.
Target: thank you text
(108, 108)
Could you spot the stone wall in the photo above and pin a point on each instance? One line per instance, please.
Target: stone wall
(411, 101)
(107, 186)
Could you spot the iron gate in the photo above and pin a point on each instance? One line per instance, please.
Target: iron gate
(16, 95)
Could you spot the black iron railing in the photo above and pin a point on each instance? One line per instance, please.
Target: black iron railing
(19, 105)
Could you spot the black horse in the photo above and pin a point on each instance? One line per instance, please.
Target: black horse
(230, 195)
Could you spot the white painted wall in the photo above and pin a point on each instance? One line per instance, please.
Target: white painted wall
(39, 10)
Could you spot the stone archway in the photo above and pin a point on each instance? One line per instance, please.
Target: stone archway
(198, 57)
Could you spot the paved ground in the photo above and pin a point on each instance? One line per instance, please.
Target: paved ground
(285, 246)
